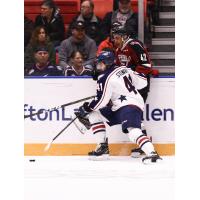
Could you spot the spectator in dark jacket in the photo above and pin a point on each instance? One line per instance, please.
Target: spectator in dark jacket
(78, 41)
(28, 29)
(52, 21)
(91, 21)
(125, 16)
(42, 65)
(39, 38)
(77, 68)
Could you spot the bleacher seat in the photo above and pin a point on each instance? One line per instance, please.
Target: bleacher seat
(102, 7)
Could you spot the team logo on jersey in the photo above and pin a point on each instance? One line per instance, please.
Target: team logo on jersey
(122, 98)
(124, 60)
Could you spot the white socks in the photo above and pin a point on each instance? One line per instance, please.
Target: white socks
(98, 126)
(136, 136)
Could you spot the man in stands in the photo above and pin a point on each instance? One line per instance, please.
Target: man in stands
(42, 65)
(124, 15)
(91, 21)
(78, 41)
(51, 19)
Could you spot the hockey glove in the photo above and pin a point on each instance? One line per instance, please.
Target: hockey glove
(81, 112)
(147, 71)
(81, 115)
(155, 72)
(95, 74)
(144, 70)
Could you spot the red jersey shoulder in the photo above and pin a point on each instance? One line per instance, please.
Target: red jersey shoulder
(136, 43)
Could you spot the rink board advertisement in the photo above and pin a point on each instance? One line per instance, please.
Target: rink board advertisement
(45, 93)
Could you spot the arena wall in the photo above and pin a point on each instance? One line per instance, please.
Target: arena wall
(45, 93)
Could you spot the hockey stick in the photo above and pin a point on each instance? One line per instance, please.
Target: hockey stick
(55, 108)
(49, 144)
(80, 129)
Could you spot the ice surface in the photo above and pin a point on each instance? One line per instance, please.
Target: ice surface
(77, 178)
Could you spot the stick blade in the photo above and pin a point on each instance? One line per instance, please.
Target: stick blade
(47, 146)
(82, 129)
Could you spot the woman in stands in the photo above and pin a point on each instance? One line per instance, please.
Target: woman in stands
(51, 19)
(39, 38)
(76, 67)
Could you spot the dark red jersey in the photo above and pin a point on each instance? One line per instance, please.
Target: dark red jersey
(134, 55)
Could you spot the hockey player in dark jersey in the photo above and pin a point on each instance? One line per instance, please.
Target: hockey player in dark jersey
(120, 86)
(132, 54)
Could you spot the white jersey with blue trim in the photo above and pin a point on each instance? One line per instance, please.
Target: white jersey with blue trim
(119, 85)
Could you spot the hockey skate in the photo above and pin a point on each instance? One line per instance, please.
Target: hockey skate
(153, 158)
(137, 153)
(100, 153)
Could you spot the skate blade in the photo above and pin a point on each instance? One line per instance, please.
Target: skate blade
(136, 155)
(99, 158)
(149, 162)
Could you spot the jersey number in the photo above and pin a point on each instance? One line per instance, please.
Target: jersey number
(100, 87)
(128, 84)
(143, 57)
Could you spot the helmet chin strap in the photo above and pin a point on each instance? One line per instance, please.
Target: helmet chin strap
(125, 38)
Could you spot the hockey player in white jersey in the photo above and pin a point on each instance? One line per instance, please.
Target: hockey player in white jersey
(117, 85)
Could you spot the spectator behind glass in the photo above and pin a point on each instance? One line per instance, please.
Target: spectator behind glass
(28, 29)
(77, 68)
(42, 65)
(51, 19)
(79, 41)
(125, 16)
(91, 21)
(39, 38)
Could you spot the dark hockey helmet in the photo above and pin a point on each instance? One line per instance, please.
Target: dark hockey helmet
(120, 31)
(107, 57)
(116, 26)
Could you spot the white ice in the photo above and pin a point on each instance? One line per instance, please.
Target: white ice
(77, 178)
